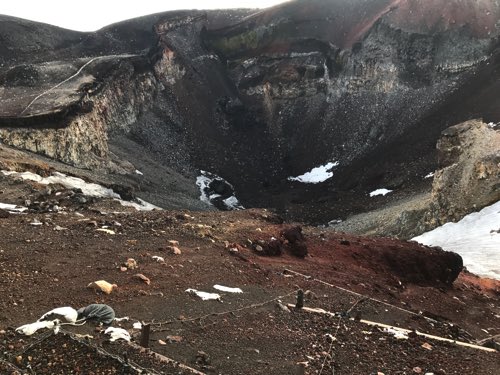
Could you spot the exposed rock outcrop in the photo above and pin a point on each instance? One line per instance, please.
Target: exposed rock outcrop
(84, 141)
(467, 181)
(469, 174)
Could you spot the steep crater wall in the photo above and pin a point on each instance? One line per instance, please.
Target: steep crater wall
(262, 97)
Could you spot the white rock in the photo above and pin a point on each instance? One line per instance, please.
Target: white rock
(204, 295)
(158, 259)
(117, 334)
(69, 314)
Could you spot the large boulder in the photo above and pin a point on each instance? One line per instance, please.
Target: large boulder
(469, 174)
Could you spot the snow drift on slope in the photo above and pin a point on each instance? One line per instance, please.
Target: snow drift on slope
(476, 238)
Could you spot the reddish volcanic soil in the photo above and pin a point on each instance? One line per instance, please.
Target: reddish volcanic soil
(49, 265)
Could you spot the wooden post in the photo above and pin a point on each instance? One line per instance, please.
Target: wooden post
(145, 335)
(300, 299)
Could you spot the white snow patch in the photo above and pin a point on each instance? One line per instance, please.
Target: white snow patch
(227, 289)
(12, 208)
(249, 62)
(397, 333)
(304, 54)
(117, 334)
(316, 175)
(158, 258)
(233, 202)
(142, 205)
(204, 295)
(430, 175)
(203, 182)
(206, 57)
(380, 192)
(87, 188)
(139, 172)
(137, 325)
(475, 238)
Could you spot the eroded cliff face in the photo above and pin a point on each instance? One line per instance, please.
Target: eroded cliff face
(322, 102)
(84, 141)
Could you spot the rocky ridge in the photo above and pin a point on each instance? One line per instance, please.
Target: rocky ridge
(466, 181)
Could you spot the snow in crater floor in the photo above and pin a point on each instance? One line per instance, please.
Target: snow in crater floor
(382, 192)
(316, 175)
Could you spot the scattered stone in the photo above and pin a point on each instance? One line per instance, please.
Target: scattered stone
(309, 295)
(158, 258)
(293, 234)
(202, 358)
(417, 370)
(106, 230)
(296, 241)
(175, 250)
(36, 223)
(103, 286)
(143, 278)
(58, 228)
(173, 243)
(123, 269)
(299, 249)
(427, 346)
(273, 248)
(174, 339)
(161, 342)
(131, 264)
(345, 242)
(259, 248)
(205, 296)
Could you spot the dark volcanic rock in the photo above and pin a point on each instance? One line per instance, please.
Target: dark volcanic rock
(293, 234)
(4, 214)
(296, 241)
(421, 266)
